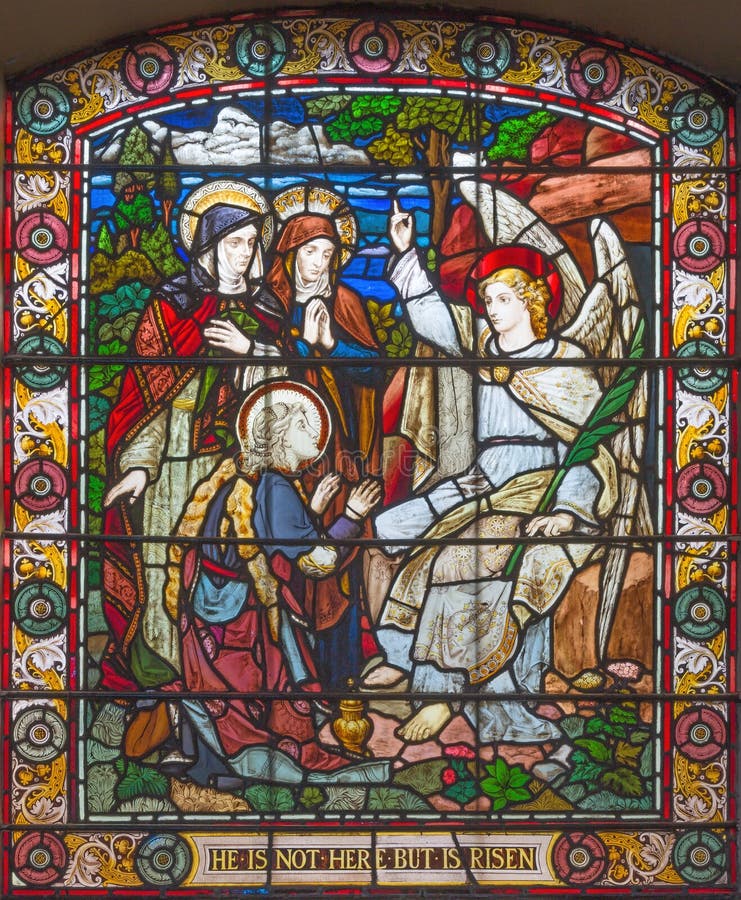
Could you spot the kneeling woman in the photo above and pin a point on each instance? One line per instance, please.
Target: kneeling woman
(244, 626)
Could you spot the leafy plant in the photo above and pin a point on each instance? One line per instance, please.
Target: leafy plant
(139, 781)
(505, 784)
(609, 748)
(311, 797)
(269, 798)
(458, 781)
(401, 342)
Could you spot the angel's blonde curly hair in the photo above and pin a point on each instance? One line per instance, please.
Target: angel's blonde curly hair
(534, 292)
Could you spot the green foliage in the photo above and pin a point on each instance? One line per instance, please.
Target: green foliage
(135, 151)
(363, 118)
(400, 344)
(157, 247)
(105, 241)
(462, 791)
(96, 450)
(422, 777)
(108, 274)
(139, 781)
(324, 107)
(625, 714)
(311, 797)
(100, 783)
(514, 136)
(122, 328)
(98, 409)
(389, 798)
(505, 784)
(269, 798)
(132, 295)
(611, 748)
(394, 147)
(457, 118)
(167, 187)
(381, 318)
(101, 376)
(95, 490)
(596, 749)
(114, 347)
(135, 213)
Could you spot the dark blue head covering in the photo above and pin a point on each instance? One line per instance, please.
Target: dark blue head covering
(216, 223)
(220, 220)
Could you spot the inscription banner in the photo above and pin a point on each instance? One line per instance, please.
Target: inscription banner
(387, 859)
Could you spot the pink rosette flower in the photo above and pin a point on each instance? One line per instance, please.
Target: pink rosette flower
(459, 751)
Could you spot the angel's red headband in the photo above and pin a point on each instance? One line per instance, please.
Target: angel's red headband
(526, 258)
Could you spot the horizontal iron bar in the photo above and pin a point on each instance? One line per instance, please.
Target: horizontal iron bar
(196, 540)
(403, 820)
(71, 695)
(266, 168)
(473, 362)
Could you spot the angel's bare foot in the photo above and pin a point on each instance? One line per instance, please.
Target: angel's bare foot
(426, 723)
(383, 676)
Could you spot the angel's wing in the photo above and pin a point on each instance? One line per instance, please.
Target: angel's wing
(508, 221)
(606, 325)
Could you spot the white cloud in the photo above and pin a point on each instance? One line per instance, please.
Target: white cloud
(236, 140)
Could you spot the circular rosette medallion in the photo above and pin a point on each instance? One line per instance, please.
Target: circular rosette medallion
(39, 734)
(579, 858)
(373, 47)
(40, 608)
(700, 379)
(485, 52)
(699, 246)
(260, 50)
(44, 108)
(40, 485)
(700, 612)
(696, 119)
(701, 488)
(40, 859)
(149, 68)
(163, 860)
(700, 857)
(700, 734)
(41, 238)
(594, 73)
(41, 377)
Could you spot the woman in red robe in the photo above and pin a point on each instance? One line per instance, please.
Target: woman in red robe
(172, 423)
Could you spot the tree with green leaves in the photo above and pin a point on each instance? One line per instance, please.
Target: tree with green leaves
(105, 241)
(408, 131)
(134, 209)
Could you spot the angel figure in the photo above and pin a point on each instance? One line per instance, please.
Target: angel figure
(556, 443)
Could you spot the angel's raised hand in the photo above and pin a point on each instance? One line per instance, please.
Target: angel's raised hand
(401, 228)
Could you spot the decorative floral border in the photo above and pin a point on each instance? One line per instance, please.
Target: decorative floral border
(691, 125)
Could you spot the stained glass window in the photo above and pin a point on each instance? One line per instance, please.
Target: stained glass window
(370, 451)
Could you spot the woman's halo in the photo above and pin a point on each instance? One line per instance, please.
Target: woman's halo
(289, 392)
(319, 200)
(230, 193)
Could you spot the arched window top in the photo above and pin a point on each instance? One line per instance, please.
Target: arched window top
(634, 89)
(479, 273)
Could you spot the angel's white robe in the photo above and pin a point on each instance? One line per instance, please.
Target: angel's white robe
(449, 616)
